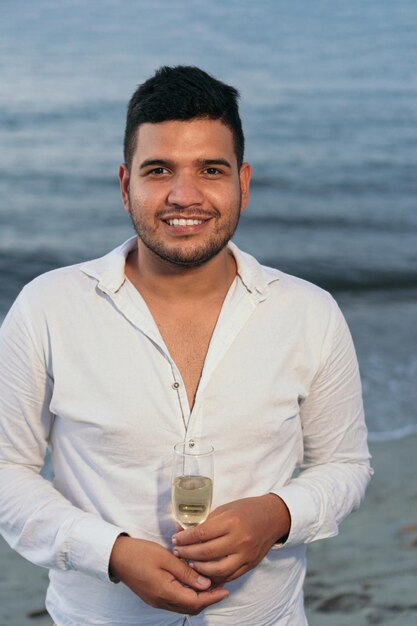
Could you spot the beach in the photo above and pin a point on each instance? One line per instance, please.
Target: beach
(328, 107)
(22, 590)
(366, 575)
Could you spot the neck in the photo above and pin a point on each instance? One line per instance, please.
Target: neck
(171, 282)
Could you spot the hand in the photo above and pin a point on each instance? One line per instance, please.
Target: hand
(235, 537)
(158, 577)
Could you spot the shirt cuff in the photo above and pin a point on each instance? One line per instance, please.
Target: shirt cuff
(112, 578)
(90, 546)
(304, 511)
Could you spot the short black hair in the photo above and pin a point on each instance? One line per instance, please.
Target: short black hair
(183, 92)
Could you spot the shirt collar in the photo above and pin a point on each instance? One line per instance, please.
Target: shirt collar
(109, 270)
(255, 277)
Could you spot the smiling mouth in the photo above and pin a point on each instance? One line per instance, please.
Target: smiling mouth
(184, 222)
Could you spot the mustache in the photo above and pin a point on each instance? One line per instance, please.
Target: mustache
(185, 212)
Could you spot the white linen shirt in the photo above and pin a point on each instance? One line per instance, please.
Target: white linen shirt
(84, 369)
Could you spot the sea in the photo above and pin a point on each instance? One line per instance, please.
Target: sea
(329, 106)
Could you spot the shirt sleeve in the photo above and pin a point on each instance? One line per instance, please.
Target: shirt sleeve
(336, 464)
(35, 519)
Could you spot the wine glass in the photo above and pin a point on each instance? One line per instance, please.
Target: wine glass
(192, 482)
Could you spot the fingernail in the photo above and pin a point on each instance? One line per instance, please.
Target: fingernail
(190, 563)
(202, 581)
(176, 552)
(174, 540)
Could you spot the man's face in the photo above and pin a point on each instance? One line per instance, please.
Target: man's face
(184, 190)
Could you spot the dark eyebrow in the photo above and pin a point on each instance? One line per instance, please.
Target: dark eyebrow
(212, 162)
(153, 162)
(199, 162)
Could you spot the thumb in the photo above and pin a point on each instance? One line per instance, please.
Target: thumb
(186, 575)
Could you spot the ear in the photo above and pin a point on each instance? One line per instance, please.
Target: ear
(245, 174)
(124, 178)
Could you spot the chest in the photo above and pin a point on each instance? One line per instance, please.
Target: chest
(126, 405)
(187, 337)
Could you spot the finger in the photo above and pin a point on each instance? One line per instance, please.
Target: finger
(210, 529)
(187, 576)
(239, 572)
(211, 550)
(218, 570)
(186, 600)
(206, 598)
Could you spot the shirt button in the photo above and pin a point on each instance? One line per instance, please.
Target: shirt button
(175, 385)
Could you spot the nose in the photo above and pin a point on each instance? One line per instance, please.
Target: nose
(185, 190)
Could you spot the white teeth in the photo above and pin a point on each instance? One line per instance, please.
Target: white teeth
(184, 222)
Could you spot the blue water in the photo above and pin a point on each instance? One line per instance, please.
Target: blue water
(329, 105)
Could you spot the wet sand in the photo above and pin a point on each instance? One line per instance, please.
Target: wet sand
(368, 574)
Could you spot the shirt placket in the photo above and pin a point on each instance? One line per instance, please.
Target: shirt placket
(134, 308)
(237, 309)
(179, 386)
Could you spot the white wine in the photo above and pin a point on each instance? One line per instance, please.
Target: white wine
(191, 499)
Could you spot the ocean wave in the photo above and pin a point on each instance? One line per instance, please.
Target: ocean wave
(392, 178)
(58, 181)
(334, 276)
(325, 222)
(15, 119)
(17, 267)
(392, 435)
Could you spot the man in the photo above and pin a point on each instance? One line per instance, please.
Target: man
(177, 336)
